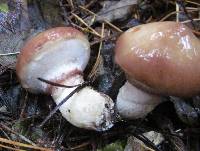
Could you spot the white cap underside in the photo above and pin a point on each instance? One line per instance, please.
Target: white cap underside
(55, 59)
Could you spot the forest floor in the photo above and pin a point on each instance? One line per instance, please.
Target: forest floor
(171, 126)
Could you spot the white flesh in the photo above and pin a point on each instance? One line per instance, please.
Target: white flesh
(133, 103)
(87, 108)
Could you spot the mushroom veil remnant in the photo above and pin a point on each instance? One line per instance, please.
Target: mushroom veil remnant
(159, 59)
(60, 55)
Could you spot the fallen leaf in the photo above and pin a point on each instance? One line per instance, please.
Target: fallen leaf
(113, 10)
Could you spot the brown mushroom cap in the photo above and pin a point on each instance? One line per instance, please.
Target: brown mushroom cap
(49, 51)
(161, 58)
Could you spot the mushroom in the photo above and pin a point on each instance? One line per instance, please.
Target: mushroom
(60, 55)
(159, 59)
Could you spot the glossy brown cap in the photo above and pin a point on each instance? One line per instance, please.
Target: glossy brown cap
(35, 44)
(48, 52)
(161, 58)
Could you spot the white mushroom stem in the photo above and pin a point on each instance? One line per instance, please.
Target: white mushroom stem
(87, 108)
(133, 103)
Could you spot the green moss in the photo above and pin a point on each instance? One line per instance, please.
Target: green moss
(117, 146)
(22, 127)
(4, 8)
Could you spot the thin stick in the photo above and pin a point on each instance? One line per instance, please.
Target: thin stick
(71, 3)
(57, 84)
(10, 148)
(19, 135)
(192, 8)
(90, 3)
(81, 28)
(177, 12)
(9, 54)
(24, 106)
(92, 73)
(182, 6)
(196, 32)
(146, 141)
(23, 145)
(187, 21)
(113, 26)
(82, 21)
(92, 13)
(62, 102)
(192, 2)
(104, 39)
(80, 146)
